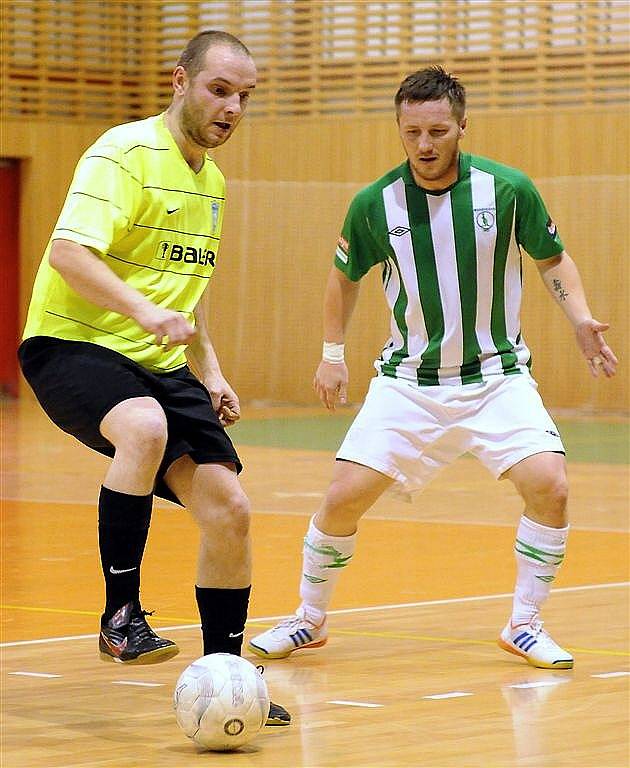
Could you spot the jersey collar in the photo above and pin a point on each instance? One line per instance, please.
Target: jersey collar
(463, 173)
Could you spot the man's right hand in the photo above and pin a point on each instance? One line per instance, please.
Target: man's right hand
(331, 384)
(170, 328)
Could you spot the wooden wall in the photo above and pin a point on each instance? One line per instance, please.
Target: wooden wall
(289, 182)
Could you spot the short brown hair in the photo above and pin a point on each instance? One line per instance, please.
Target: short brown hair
(191, 58)
(432, 84)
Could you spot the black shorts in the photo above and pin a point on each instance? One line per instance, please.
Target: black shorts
(77, 383)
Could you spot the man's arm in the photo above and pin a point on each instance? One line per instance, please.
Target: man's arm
(92, 279)
(562, 279)
(340, 298)
(205, 362)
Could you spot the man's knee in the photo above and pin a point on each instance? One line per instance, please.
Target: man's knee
(340, 499)
(140, 432)
(228, 515)
(549, 489)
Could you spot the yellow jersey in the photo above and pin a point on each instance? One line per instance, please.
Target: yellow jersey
(136, 203)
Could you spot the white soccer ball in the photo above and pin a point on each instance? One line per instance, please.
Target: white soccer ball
(221, 701)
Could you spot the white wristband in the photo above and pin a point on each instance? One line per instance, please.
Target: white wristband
(333, 352)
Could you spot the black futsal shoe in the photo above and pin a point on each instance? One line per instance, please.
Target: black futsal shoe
(128, 639)
(278, 715)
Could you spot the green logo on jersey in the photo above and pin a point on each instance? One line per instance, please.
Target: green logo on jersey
(484, 218)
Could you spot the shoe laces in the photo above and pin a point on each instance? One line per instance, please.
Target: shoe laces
(296, 621)
(535, 626)
(141, 628)
(292, 622)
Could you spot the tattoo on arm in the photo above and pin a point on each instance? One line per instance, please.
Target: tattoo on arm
(559, 289)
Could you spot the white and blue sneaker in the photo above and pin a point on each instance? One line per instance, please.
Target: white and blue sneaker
(289, 635)
(531, 642)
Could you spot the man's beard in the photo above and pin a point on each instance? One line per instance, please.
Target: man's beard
(191, 130)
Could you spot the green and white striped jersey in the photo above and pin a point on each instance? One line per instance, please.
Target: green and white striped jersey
(451, 266)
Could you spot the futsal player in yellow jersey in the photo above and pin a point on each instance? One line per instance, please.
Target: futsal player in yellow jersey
(115, 317)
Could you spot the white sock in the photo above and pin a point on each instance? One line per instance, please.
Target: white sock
(323, 557)
(539, 553)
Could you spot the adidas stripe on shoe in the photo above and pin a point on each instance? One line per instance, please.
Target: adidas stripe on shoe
(289, 635)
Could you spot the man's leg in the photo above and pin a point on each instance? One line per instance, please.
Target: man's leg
(539, 548)
(328, 548)
(137, 429)
(214, 497)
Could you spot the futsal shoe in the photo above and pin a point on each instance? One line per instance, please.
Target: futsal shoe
(128, 639)
(535, 645)
(277, 715)
(289, 635)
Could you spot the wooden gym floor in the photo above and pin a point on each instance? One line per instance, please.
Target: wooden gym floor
(411, 675)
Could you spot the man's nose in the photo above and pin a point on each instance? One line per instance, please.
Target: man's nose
(425, 143)
(233, 105)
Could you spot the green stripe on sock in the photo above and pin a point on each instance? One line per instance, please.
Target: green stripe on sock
(548, 558)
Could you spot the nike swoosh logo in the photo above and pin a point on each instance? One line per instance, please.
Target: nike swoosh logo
(171, 210)
(115, 648)
(236, 634)
(122, 570)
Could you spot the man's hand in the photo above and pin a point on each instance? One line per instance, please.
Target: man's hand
(224, 400)
(331, 384)
(599, 355)
(170, 328)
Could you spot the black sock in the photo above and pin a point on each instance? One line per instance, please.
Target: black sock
(223, 613)
(123, 527)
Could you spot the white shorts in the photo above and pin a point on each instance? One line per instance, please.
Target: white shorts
(410, 433)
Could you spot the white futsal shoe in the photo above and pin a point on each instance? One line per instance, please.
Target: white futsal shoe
(534, 645)
(289, 635)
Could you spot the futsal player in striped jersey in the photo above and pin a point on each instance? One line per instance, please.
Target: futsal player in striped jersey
(117, 314)
(447, 230)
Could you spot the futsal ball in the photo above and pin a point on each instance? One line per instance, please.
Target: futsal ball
(221, 701)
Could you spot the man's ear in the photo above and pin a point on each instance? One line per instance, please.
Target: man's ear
(179, 79)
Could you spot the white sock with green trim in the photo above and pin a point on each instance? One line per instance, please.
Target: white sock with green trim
(539, 552)
(323, 558)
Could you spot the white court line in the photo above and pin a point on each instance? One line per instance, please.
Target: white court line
(451, 695)
(343, 703)
(134, 682)
(33, 674)
(340, 612)
(541, 683)
(612, 674)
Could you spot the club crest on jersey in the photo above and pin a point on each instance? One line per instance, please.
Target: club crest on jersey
(214, 207)
(485, 218)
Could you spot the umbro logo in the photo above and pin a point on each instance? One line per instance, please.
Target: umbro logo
(399, 231)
